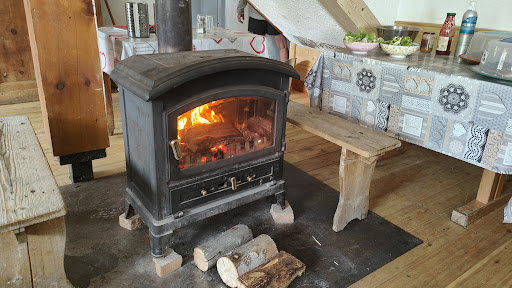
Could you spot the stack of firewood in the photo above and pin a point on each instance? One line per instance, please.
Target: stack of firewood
(245, 262)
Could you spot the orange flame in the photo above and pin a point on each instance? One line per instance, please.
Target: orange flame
(200, 115)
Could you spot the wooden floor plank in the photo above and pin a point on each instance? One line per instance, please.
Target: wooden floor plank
(447, 264)
(494, 270)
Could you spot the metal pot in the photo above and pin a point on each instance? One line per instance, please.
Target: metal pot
(389, 32)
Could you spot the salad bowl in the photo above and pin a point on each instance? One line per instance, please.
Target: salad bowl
(361, 42)
(361, 47)
(399, 47)
(399, 51)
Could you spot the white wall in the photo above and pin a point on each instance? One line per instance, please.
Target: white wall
(385, 11)
(492, 14)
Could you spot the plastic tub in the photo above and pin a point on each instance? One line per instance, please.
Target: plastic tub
(497, 59)
(479, 42)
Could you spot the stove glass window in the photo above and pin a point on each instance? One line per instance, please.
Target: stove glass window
(225, 128)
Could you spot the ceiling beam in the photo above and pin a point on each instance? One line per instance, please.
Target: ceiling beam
(351, 14)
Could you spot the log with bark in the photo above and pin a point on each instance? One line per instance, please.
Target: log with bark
(201, 138)
(278, 273)
(245, 258)
(206, 255)
(260, 125)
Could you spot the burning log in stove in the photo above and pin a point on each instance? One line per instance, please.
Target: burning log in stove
(260, 125)
(201, 138)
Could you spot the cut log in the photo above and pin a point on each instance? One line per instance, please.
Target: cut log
(245, 258)
(206, 255)
(260, 125)
(278, 273)
(201, 138)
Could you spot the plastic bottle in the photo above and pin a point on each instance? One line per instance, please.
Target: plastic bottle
(446, 34)
(467, 29)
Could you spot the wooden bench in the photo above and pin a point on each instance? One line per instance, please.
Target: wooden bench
(360, 149)
(32, 228)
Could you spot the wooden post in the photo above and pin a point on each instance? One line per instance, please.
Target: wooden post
(245, 258)
(106, 78)
(64, 46)
(17, 80)
(355, 177)
(111, 125)
(351, 14)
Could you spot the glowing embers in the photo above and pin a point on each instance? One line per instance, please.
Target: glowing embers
(225, 128)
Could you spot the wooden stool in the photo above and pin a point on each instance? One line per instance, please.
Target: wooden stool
(360, 149)
(32, 229)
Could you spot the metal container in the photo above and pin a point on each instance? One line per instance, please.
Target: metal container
(389, 32)
(137, 20)
(174, 25)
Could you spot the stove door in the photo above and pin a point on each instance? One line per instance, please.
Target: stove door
(224, 128)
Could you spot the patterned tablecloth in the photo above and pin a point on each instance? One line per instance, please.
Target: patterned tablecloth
(432, 101)
(115, 45)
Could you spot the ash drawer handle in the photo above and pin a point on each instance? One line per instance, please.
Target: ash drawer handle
(233, 183)
(176, 150)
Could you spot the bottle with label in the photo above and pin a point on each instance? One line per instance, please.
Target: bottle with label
(467, 29)
(446, 34)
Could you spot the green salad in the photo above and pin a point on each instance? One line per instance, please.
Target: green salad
(351, 37)
(400, 41)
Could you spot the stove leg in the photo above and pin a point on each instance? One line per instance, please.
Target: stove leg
(281, 215)
(159, 244)
(280, 199)
(130, 220)
(128, 210)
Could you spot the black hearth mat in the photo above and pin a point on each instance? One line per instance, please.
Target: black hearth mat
(99, 253)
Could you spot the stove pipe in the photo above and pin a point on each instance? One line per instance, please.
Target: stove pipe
(174, 25)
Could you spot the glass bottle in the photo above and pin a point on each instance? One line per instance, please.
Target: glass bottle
(427, 42)
(446, 34)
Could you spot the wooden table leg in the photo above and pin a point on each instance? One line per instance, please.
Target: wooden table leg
(355, 177)
(108, 103)
(489, 197)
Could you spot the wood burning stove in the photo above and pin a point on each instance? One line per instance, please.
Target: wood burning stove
(203, 133)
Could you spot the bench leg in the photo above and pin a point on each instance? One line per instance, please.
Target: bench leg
(355, 176)
(46, 243)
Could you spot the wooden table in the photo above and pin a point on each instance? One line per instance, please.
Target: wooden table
(433, 101)
(32, 228)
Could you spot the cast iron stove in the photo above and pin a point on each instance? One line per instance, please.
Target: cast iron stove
(204, 132)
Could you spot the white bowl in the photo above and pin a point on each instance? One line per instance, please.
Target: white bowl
(399, 51)
(361, 47)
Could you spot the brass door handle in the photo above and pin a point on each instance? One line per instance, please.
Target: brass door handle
(233, 183)
(175, 146)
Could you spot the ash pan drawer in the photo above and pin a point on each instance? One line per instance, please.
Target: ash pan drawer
(214, 188)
